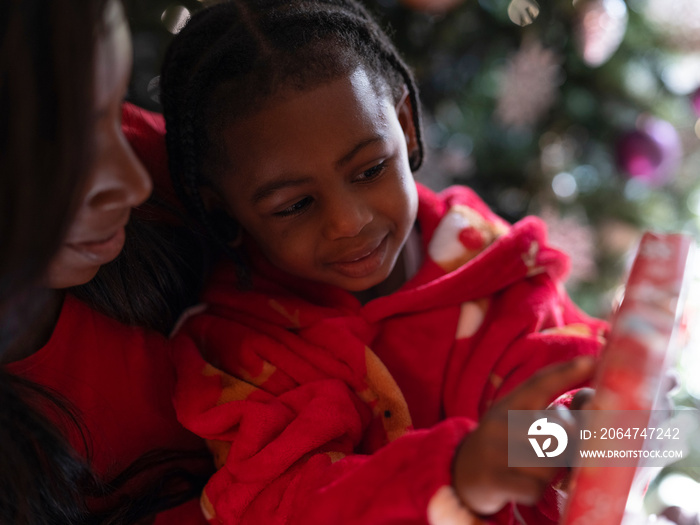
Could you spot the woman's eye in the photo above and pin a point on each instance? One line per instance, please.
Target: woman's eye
(295, 208)
(373, 172)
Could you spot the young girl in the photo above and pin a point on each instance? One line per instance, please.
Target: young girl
(356, 343)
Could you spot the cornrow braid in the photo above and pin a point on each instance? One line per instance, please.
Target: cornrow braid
(233, 56)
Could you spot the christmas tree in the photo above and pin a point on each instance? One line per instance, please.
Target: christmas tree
(584, 117)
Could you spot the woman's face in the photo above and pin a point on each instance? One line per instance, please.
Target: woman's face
(117, 181)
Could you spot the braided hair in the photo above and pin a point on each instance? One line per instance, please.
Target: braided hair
(232, 57)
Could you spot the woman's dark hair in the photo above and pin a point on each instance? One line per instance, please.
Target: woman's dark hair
(158, 274)
(46, 89)
(44, 481)
(46, 69)
(232, 57)
(46, 101)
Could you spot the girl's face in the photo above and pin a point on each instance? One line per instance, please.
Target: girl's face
(117, 181)
(321, 181)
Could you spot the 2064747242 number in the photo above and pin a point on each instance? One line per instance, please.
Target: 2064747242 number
(644, 433)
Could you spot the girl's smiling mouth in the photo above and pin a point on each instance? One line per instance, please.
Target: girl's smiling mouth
(364, 262)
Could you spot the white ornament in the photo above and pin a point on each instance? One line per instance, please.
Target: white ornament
(523, 12)
(600, 29)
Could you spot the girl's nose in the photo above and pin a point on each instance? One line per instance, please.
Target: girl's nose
(120, 179)
(346, 216)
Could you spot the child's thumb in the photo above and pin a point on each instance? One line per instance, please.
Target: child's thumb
(547, 384)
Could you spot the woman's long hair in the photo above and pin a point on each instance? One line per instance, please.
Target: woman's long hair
(46, 92)
(46, 99)
(44, 481)
(158, 274)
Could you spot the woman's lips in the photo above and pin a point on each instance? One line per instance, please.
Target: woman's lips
(364, 263)
(101, 251)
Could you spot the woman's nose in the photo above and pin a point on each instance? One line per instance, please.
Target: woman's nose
(346, 216)
(120, 179)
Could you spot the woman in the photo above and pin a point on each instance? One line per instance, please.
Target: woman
(83, 398)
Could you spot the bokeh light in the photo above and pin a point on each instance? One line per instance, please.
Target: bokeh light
(175, 17)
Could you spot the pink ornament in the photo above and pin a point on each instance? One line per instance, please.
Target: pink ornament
(651, 153)
(599, 29)
(695, 101)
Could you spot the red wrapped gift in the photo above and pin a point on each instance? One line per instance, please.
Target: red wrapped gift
(641, 347)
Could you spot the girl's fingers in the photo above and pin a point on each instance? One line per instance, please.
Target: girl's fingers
(582, 399)
(522, 488)
(538, 391)
(486, 494)
(543, 474)
(488, 499)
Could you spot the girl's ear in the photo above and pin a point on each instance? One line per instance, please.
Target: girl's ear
(211, 199)
(404, 112)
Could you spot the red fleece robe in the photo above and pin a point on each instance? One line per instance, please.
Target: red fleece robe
(334, 412)
(119, 379)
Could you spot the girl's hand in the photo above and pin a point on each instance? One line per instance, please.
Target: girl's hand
(582, 399)
(481, 475)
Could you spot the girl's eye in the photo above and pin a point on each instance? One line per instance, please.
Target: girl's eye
(295, 208)
(373, 172)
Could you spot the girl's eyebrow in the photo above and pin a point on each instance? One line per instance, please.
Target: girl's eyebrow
(348, 156)
(269, 188)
